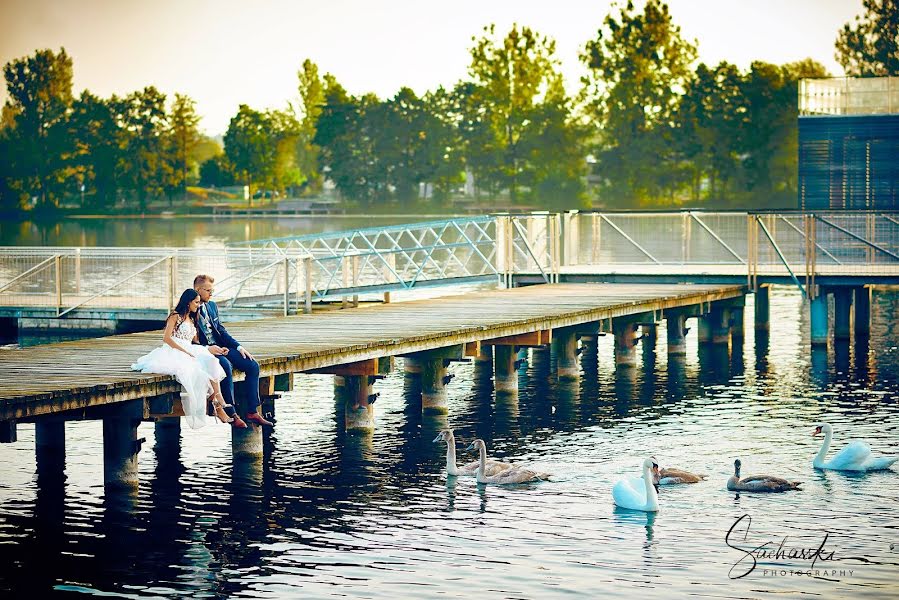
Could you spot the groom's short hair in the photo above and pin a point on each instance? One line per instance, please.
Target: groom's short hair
(201, 279)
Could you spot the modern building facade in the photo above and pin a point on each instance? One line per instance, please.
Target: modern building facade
(849, 143)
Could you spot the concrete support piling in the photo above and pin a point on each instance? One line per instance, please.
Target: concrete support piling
(50, 436)
(762, 309)
(677, 332)
(120, 448)
(485, 355)
(737, 323)
(818, 320)
(862, 312)
(625, 343)
(412, 366)
(245, 443)
(719, 320)
(433, 386)
(505, 375)
(359, 407)
(648, 335)
(704, 326)
(565, 346)
(167, 431)
(842, 319)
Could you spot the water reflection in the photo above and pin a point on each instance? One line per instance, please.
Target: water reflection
(327, 514)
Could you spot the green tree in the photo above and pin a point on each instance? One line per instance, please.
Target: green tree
(346, 147)
(638, 67)
(709, 123)
(513, 78)
(871, 47)
(40, 95)
(770, 136)
(145, 164)
(183, 138)
(217, 172)
(96, 154)
(311, 90)
(246, 146)
(11, 195)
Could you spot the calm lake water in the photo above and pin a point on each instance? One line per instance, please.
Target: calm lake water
(331, 515)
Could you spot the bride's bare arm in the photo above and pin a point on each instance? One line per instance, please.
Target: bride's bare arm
(167, 335)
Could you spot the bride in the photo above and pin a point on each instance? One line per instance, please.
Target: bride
(193, 365)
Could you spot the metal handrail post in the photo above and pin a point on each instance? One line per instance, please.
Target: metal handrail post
(307, 267)
(58, 264)
(286, 286)
(77, 271)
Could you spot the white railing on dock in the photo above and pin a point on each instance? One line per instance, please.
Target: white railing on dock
(290, 273)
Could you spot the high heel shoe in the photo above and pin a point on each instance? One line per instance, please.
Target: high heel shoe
(219, 405)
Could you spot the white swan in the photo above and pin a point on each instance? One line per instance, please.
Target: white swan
(759, 483)
(639, 494)
(469, 469)
(856, 456)
(514, 474)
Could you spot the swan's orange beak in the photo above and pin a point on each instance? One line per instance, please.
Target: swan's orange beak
(817, 431)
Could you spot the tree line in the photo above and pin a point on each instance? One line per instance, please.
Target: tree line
(648, 127)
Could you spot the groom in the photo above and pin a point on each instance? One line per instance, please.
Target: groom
(230, 353)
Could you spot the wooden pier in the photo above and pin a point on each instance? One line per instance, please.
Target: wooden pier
(92, 379)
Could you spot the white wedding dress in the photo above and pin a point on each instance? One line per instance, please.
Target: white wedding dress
(195, 375)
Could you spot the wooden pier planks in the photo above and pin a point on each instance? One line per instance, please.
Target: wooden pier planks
(77, 374)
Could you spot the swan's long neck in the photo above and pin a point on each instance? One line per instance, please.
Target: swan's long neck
(451, 456)
(652, 497)
(819, 458)
(482, 465)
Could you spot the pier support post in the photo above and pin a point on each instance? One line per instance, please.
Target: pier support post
(677, 332)
(120, 448)
(505, 375)
(167, 431)
(842, 319)
(50, 436)
(737, 323)
(485, 356)
(862, 312)
(704, 328)
(359, 408)
(245, 442)
(762, 309)
(433, 386)
(719, 320)
(818, 319)
(565, 346)
(648, 335)
(625, 342)
(412, 366)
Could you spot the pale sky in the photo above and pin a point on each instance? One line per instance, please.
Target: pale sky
(224, 53)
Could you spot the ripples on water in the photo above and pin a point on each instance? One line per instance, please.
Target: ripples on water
(331, 515)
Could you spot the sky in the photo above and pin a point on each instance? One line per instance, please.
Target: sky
(223, 53)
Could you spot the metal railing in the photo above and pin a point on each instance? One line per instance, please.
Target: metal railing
(849, 96)
(290, 273)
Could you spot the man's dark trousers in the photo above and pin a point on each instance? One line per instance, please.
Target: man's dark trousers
(251, 383)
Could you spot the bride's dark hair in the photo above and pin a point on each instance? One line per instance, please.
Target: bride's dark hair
(183, 306)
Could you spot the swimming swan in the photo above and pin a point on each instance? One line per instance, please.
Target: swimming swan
(856, 456)
(759, 483)
(639, 494)
(514, 474)
(469, 469)
(673, 476)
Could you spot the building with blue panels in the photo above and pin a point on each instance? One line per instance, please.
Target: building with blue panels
(849, 143)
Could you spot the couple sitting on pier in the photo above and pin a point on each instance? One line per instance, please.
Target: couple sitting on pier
(200, 353)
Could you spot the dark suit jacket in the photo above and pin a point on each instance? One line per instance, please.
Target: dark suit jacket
(220, 335)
